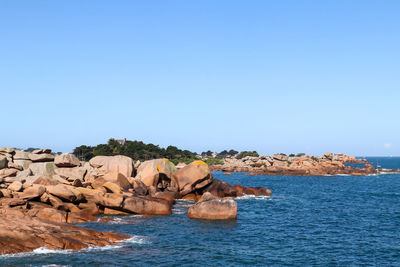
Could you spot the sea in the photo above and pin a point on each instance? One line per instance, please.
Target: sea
(308, 221)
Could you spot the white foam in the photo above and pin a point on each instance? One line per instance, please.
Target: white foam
(44, 251)
(254, 197)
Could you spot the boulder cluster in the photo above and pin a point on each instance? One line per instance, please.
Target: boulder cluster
(61, 189)
(280, 164)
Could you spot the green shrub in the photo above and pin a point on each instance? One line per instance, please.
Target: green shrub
(214, 161)
(244, 154)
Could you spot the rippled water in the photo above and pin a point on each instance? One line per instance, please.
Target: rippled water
(324, 221)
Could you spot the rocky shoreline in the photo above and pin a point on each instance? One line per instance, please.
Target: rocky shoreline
(42, 193)
(279, 164)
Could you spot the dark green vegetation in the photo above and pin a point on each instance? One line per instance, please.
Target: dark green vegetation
(246, 154)
(138, 150)
(214, 161)
(220, 155)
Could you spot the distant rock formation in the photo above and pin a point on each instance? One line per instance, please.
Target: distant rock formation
(280, 164)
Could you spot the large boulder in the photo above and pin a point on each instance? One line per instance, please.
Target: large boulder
(8, 173)
(23, 162)
(109, 200)
(210, 207)
(41, 157)
(121, 164)
(42, 168)
(193, 177)
(66, 160)
(64, 192)
(15, 186)
(158, 173)
(42, 151)
(33, 191)
(71, 173)
(221, 189)
(118, 179)
(112, 177)
(20, 154)
(147, 205)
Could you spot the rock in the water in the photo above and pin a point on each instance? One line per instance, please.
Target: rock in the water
(147, 205)
(210, 207)
(221, 189)
(121, 164)
(157, 172)
(66, 160)
(24, 234)
(193, 177)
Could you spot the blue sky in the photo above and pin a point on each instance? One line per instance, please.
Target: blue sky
(272, 76)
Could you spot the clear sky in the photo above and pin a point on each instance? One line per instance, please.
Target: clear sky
(272, 76)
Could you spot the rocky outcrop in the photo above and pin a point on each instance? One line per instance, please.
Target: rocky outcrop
(193, 177)
(58, 189)
(121, 164)
(157, 173)
(66, 160)
(142, 205)
(210, 207)
(24, 234)
(222, 189)
(280, 164)
(3, 162)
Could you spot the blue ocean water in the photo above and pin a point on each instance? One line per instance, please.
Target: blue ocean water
(308, 221)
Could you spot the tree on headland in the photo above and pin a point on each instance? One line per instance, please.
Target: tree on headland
(136, 150)
(247, 154)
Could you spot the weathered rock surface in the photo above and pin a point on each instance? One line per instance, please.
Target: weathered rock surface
(121, 164)
(24, 234)
(71, 173)
(193, 177)
(15, 186)
(147, 205)
(66, 160)
(158, 173)
(41, 157)
(280, 164)
(43, 168)
(3, 162)
(210, 207)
